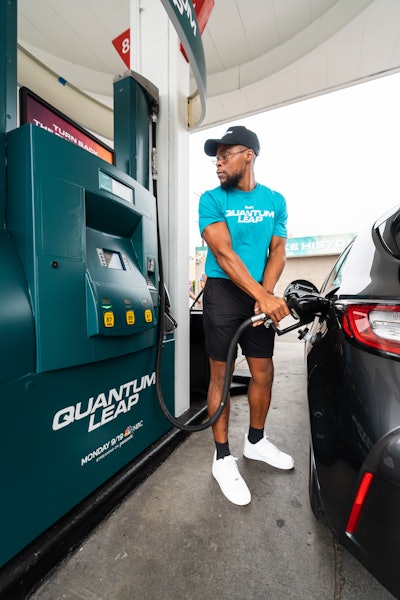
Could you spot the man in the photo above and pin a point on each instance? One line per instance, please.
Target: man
(244, 226)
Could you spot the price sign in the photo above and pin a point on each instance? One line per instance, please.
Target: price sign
(122, 44)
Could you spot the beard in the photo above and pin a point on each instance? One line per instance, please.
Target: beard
(233, 181)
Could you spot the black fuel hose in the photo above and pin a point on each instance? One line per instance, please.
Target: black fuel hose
(227, 382)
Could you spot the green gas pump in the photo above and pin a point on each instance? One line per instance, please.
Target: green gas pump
(79, 322)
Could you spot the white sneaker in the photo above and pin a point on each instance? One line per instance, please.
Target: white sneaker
(232, 484)
(267, 452)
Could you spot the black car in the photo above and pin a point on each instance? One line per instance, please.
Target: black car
(353, 374)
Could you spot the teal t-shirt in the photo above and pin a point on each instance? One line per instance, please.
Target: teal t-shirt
(252, 219)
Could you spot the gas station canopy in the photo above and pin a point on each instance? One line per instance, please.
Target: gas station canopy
(260, 54)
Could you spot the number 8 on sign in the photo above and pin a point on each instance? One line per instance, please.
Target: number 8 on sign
(122, 44)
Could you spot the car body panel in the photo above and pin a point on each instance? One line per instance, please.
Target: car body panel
(354, 404)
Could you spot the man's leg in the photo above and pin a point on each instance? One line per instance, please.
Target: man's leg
(257, 446)
(224, 468)
(260, 387)
(214, 396)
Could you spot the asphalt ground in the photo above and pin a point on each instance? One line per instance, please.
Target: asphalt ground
(176, 537)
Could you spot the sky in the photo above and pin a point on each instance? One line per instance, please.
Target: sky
(335, 158)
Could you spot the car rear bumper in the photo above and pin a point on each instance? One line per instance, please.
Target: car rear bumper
(376, 538)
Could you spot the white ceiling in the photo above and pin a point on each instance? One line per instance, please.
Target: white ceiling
(260, 54)
(281, 51)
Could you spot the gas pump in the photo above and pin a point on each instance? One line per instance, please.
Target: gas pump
(79, 325)
(78, 380)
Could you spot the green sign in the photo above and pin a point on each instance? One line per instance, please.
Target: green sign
(183, 18)
(317, 245)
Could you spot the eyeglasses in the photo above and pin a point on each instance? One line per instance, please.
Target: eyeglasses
(223, 158)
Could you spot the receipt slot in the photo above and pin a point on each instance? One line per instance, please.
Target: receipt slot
(79, 331)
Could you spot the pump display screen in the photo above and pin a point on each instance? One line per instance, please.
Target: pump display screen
(110, 259)
(113, 260)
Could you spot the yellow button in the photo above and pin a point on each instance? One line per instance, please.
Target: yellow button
(148, 315)
(108, 319)
(130, 317)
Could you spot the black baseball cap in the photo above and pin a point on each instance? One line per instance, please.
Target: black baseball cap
(234, 136)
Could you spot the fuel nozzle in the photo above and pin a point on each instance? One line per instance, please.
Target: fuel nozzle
(269, 323)
(304, 301)
(261, 317)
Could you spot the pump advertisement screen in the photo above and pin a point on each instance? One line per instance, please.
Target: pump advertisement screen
(37, 111)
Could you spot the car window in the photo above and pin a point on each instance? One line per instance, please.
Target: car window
(388, 232)
(334, 279)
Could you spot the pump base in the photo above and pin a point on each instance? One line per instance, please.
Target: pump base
(21, 575)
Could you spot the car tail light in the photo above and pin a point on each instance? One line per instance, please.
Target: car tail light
(374, 325)
(359, 502)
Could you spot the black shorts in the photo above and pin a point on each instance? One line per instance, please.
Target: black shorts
(225, 307)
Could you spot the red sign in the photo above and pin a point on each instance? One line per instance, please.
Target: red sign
(203, 9)
(122, 44)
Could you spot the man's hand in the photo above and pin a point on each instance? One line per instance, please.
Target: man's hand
(273, 306)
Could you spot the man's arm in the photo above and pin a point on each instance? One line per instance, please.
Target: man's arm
(276, 262)
(218, 239)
